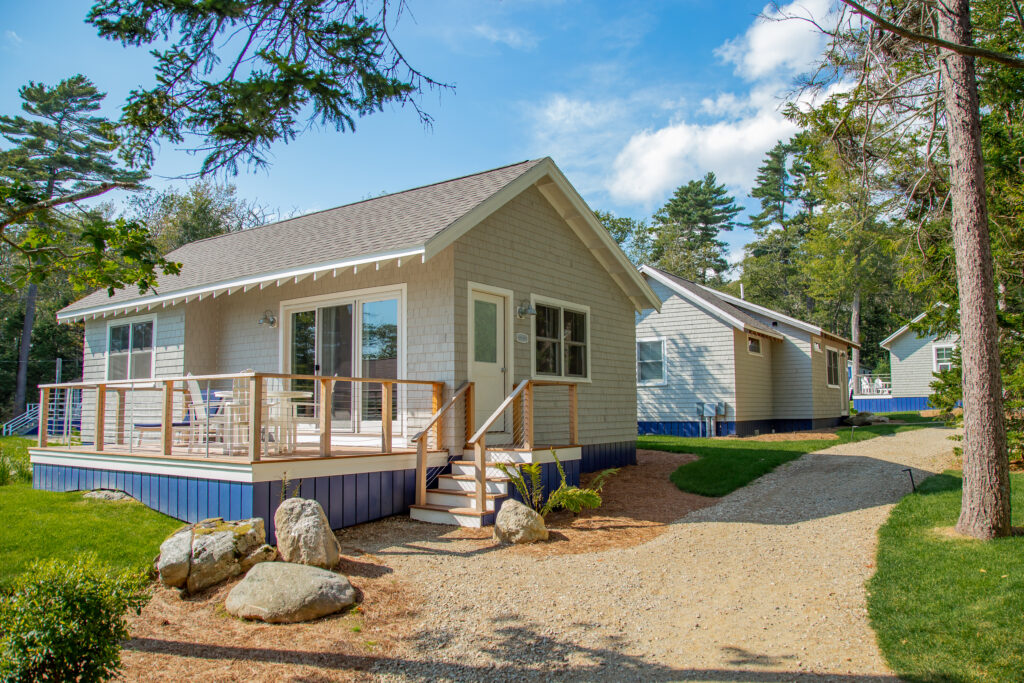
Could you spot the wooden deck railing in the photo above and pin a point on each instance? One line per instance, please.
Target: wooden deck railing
(249, 419)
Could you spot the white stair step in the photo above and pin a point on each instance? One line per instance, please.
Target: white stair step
(463, 482)
(508, 455)
(439, 514)
(465, 467)
(459, 499)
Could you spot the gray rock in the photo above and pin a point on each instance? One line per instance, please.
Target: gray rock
(304, 535)
(285, 593)
(105, 494)
(516, 523)
(175, 558)
(213, 560)
(265, 553)
(859, 420)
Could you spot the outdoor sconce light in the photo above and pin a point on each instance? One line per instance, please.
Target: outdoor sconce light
(525, 309)
(268, 319)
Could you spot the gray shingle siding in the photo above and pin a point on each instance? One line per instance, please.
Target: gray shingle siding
(912, 363)
(699, 358)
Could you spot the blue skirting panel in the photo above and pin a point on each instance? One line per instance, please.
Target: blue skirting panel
(743, 428)
(891, 404)
(346, 499)
(601, 456)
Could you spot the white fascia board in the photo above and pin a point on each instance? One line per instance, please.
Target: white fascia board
(244, 283)
(546, 172)
(885, 342)
(743, 303)
(695, 300)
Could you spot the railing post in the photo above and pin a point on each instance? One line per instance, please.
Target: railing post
(421, 470)
(528, 417)
(480, 451)
(101, 416)
(326, 400)
(121, 400)
(470, 413)
(438, 399)
(574, 419)
(167, 418)
(44, 416)
(255, 417)
(385, 416)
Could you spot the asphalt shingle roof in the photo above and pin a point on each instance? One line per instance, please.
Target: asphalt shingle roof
(390, 223)
(717, 302)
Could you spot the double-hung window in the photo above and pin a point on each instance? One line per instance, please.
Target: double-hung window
(130, 350)
(561, 341)
(832, 367)
(943, 358)
(650, 362)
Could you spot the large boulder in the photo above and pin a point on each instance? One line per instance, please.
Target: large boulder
(285, 593)
(304, 535)
(516, 523)
(208, 552)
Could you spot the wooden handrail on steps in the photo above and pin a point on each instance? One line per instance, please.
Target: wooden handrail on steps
(465, 389)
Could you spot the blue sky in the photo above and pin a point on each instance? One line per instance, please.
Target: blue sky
(630, 99)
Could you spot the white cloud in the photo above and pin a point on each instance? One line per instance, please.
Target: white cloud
(779, 41)
(516, 38)
(12, 38)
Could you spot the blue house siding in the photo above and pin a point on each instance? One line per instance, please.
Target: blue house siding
(743, 428)
(683, 428)
(601, 456)
(346, 499)
(891, 404)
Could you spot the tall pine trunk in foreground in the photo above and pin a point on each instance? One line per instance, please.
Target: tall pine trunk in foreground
(985, 510)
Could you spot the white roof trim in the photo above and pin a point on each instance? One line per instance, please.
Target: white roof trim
(262, 280)
(885, 342)
(545, 174)
(703, 303)
(799, 324)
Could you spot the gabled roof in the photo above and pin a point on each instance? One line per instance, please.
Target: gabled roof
(795, 322)
(888, 340)
(413, 224)
(711, 301)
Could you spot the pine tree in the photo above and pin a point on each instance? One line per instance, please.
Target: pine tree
(687, 229)
(60, 148)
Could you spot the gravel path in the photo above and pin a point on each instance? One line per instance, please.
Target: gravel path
(767, 585)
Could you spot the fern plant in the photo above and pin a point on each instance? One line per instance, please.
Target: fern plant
(527, 480)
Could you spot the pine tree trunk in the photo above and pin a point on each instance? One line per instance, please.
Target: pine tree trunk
(985, 508)
(21, 385)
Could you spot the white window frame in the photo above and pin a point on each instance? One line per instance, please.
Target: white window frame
(935, 355)
(118, 322)
(760, 343)
(575, 308)
(817, 347)
(664, 365)
(828, 350)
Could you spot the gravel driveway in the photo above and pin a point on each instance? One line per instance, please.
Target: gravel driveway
(767, 585)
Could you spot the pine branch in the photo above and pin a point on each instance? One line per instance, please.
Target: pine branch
(95, 191)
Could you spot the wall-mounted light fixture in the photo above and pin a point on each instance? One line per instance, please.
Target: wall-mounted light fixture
(525, 309)
(268, 319)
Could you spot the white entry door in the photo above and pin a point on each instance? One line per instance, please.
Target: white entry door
(487, 355)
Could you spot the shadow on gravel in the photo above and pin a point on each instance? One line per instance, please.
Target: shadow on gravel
(817, 486)
(520, 654)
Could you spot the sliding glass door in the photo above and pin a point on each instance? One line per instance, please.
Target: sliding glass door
(354, 338)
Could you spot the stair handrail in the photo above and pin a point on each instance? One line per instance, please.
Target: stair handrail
(27, 418)
(520, 388)
(465, 389)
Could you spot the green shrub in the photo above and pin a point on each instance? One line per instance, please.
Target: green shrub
(65, 620)
(572, 498)
(14, 461)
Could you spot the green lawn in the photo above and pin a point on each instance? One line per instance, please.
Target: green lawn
(43, 524)
(727, 464)
(948, 609)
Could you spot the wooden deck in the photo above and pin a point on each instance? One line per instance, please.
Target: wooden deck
(216, 454)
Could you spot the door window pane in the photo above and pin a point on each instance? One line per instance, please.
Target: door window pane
(485, 331)
(336, 344)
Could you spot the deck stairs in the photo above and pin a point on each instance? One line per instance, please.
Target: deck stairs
(452, 500)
